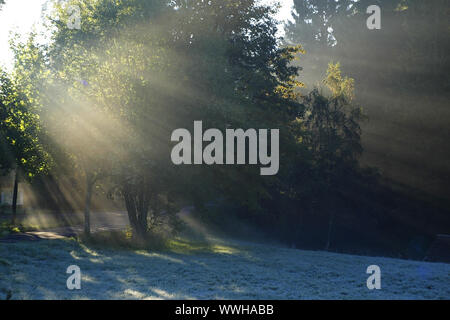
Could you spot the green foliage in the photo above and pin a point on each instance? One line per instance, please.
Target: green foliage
(19, 131)
(101, 103)
(7, 228)
(146, 69)
(333, 123)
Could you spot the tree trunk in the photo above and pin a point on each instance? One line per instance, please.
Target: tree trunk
(330, 231)
(137, 205)
(14, 200)
(87, 205)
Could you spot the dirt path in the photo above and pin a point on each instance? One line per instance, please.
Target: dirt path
(100, 221)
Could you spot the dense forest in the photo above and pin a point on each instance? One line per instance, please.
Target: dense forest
(362, 117)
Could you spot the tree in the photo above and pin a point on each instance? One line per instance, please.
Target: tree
(398, 70)
(20, 147)
(334, 136)
(322, 168)
(154, 67)
(316, 20)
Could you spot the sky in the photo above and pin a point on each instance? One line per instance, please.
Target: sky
(17, 16)
(22, 16)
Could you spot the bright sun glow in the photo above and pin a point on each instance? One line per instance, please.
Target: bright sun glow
(22, 16)
(18, 16)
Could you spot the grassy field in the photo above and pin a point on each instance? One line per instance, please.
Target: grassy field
(215, 270)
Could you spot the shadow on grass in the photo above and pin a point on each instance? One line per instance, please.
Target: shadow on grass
(113, 267)
(185, 269)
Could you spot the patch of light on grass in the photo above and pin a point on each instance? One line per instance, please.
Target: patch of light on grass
(163, 294)
(224, 249)
(87, 278)
(134, 294)
(89, 251)
(272, 273)
(237, 289)
(99, 261)
(182, 246)
(74, 255)
(159, 256)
